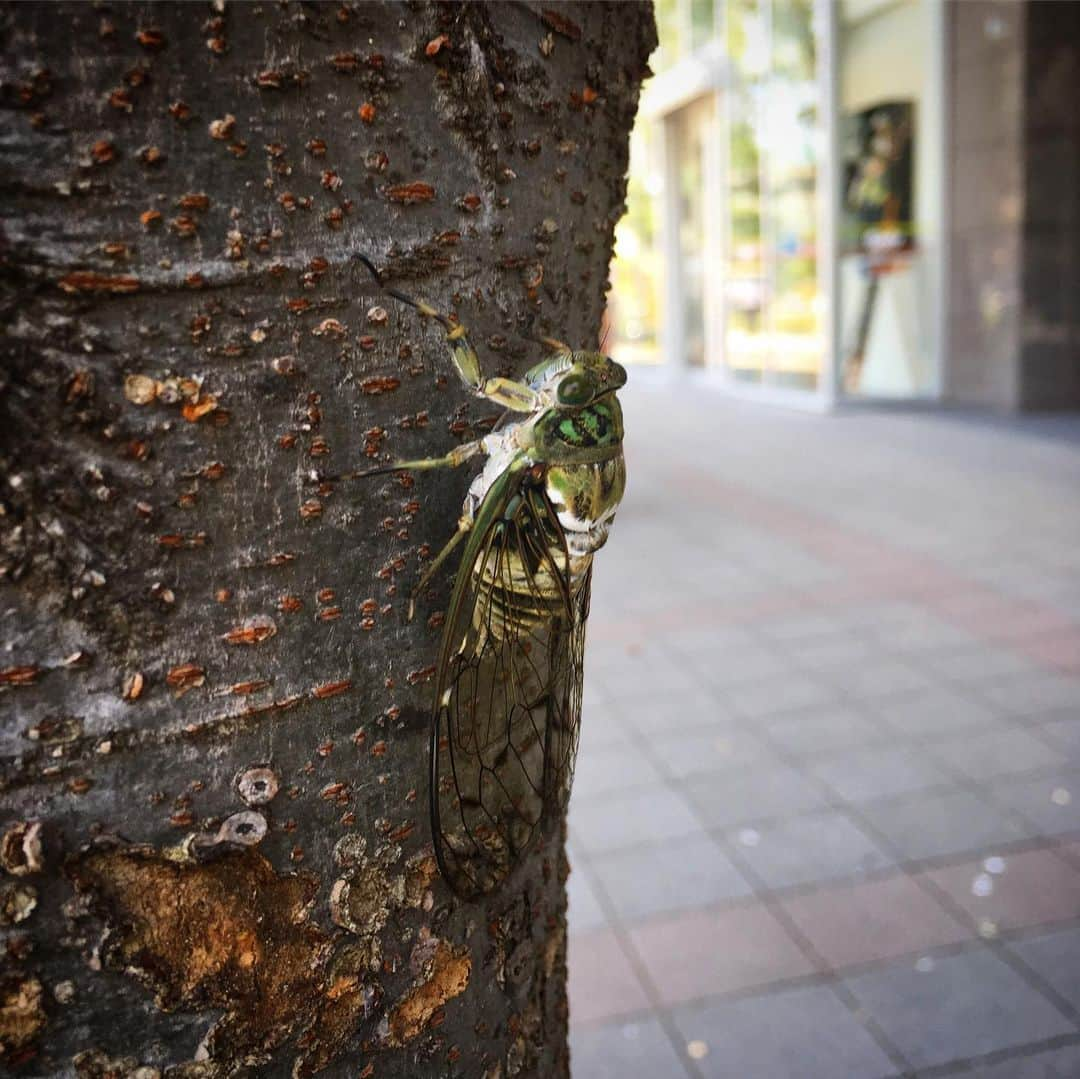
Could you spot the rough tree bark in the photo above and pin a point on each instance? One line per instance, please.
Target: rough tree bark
(215, 846)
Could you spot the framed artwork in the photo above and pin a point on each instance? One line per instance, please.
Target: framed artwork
(878, 187)
(879, 208)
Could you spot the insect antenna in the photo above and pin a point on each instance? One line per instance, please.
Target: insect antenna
(605, 333)
(423, 308)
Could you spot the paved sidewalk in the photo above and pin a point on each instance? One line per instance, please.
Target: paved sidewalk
(826, 819)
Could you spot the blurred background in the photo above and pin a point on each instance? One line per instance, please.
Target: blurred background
(826, 821)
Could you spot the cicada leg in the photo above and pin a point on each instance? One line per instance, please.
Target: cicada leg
(464, 524)
(454, 459)
(515, 396)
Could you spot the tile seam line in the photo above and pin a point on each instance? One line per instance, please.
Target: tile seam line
(770, 511)
(658, 1008)
(998, 1056)
(945, 902)
(886, 875)
(995, 945)
(801, 942)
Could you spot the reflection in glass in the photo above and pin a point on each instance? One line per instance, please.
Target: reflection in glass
(741, 161)
(798, 342)
(690, 128)
(632, 319)
(772, 306)
(702, 26)
(744, 281)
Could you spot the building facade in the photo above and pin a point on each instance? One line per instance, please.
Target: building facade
(861, 200)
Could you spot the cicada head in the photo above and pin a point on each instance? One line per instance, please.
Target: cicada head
(574, 380)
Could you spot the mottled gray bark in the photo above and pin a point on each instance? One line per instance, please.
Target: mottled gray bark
(215, 842)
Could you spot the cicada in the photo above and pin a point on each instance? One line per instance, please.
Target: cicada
(508, 688)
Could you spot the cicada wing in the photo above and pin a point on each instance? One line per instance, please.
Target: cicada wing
(508, 691)
(565, 729)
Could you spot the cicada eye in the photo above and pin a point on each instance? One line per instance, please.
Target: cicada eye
(575, 391)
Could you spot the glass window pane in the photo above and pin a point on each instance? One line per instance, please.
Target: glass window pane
(745, 341)
(691, 128)
(887, 258)
(702, 27)
(795, 308)
(669, 28)
(632, 318)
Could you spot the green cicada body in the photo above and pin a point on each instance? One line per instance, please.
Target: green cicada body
(507, 708)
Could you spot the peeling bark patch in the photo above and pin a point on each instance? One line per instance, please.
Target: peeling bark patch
(20, 849)
(22, 1016)
(229, 934)
(446, 975)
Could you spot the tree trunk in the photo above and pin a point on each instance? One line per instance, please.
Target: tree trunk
(215, 844)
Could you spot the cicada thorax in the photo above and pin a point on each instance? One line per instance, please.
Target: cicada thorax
(586, 496)
(584, 470)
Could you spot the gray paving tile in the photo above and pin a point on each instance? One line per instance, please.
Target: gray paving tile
(778, 695)
(880, 772)
(606, 656)
(658, 715)
(813, 731)
(884, 616)
(934, 824)
(933, 713)
(719, 749)
(1030, 695)
(810, 849)
(978, 664)
(751, 794)
(878, 678)
(617, 1050)
(1064, 734)
(1056, 957)
(924, 636)
(987, 754)
(954, 1007)
(584, 911)
(801, 1033)
(727, 668)
(841, 651)
(709, 641)
(659, 675)
(609, 769)
(681, 874)
(1051, 802)
(600, 730)
(802, 627)
(620, 821)
(593, 693)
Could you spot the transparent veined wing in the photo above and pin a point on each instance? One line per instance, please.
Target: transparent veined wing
(508, 690)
